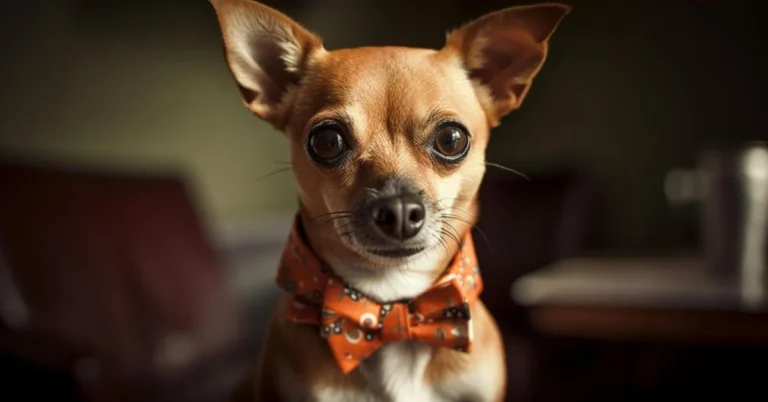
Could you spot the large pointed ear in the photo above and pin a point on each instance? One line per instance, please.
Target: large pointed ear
(503, 51)
(267, 53)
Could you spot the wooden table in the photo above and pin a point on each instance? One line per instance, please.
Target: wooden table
(664, 299)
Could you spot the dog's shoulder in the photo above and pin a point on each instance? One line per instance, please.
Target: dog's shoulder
(299, 360)
(479, 375)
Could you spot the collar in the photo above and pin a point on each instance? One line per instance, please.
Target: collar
(356, 326)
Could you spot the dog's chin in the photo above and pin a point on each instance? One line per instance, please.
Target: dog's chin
(383, 252)
(396, 253)
(388, 254)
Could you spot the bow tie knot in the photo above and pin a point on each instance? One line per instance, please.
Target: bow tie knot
(398, 322)
(404, 322)
(356, 326)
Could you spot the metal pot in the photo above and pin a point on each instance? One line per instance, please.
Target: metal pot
(731, 189)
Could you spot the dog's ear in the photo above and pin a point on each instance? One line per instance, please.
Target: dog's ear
(503, 51)
(267, 53)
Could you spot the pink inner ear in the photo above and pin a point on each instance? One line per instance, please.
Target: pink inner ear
(276, 76)
(510, 59)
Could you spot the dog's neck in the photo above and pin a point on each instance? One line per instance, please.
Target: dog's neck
(381, 283)
(398, 282)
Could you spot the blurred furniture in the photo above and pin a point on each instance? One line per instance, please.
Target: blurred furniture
(111, 290)
(525, 225)
(673, 298)
(645, 328)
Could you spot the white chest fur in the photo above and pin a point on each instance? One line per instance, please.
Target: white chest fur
(396, 374)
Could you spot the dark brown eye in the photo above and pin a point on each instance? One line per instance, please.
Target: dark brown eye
(451, 142)
(326, 145)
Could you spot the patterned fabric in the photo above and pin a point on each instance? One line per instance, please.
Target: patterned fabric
(356, 326)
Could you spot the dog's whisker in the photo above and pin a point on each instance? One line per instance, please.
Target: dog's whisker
(453, 208)
(508, 169)
(451, 236)
(441, 241)
(281, 170)
(445, 244)
(333, 220)
(459, 198)
(475, 227)
(458, 218)
(344, 227)
(331, 213)
(454, 230)
(332, 216)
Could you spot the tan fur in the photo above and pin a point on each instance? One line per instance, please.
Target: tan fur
(391, 99)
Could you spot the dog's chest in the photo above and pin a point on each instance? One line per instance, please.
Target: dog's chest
(398, 371)
(395, 373)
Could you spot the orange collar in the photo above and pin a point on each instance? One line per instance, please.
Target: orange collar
(356, 326)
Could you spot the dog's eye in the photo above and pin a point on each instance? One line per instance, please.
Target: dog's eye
(451, 142)
(326, 144)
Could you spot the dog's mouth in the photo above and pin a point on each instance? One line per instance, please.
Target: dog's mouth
(397, 253)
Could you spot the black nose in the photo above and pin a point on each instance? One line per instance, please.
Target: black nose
(401, 217)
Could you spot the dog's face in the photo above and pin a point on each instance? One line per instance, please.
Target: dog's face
(387, 144)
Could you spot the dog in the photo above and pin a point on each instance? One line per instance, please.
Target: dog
(387, 150)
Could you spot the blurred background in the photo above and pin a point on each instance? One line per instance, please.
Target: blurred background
(139, 236)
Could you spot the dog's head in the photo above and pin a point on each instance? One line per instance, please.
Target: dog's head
(387, 143)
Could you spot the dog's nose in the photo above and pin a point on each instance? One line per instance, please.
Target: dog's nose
(401, 217)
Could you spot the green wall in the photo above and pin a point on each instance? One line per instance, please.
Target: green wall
(141, 95)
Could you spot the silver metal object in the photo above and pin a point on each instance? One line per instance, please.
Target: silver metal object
(731, 188)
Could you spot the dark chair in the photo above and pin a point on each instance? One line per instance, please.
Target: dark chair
(528, 224)
(111, 290)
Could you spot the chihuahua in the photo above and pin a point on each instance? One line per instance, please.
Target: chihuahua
(387, 149)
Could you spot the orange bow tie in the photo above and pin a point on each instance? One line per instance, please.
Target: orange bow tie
(356, 326)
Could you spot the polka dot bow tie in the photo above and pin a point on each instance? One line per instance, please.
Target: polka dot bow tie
(356, 326)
